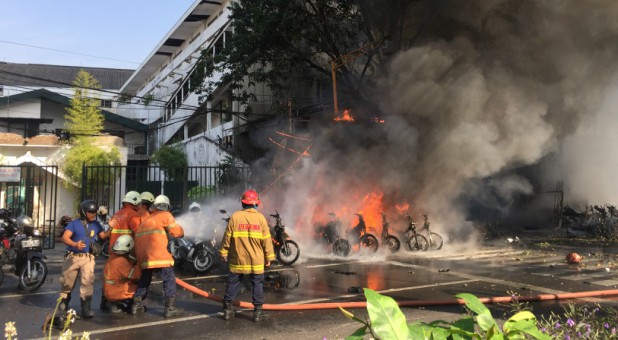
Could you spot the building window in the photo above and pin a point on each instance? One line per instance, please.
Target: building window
(106, 103)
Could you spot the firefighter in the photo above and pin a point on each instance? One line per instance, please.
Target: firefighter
(78, 236)
(248, 249)
(125, 220)
(153, 256)
(121, 274)
(144, 208)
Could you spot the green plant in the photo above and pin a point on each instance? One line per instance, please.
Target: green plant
(388, 322)
(229, 175)
(199, 193)
(581, 323)
(172, 161)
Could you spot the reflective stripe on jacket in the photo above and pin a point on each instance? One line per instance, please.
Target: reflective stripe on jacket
(151, 240)
(124, 222)
(120, 278)
(247, 242)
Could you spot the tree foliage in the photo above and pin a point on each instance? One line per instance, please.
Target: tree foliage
(84, 118)
(84, 122)
(277, 42)
(172, 161)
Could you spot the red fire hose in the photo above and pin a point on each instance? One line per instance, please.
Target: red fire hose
(415, 303)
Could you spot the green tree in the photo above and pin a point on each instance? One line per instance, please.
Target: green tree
(172, 161)
(280, 42)
(84, 118)
(84, 121)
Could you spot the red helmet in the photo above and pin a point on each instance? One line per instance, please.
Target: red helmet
(250, 197)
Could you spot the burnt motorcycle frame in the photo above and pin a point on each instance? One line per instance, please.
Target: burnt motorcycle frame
(391, 240)
(414, 240)
(286, 250)
(365, 239)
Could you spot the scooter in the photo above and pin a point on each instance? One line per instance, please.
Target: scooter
(202, 256)
(25, 253)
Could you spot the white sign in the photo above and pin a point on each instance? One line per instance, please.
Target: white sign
(12, 174)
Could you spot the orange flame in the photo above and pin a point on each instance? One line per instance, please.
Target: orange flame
(346, 116)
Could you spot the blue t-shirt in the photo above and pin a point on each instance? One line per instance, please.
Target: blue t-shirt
(79, 233)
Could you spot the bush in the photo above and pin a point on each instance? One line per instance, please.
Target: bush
(388, 322)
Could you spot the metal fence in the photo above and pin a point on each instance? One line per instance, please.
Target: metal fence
(31, 190)
(108, 184)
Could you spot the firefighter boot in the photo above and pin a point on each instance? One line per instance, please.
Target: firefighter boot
(259, 314)
(64, 304)
(87, 313)
(170, 308)
(228, 311)
(137, 306)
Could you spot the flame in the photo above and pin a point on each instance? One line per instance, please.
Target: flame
(401, 208)
(346, 116)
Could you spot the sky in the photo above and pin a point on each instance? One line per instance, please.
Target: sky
(111, 33)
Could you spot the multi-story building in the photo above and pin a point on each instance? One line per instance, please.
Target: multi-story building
(160, 92)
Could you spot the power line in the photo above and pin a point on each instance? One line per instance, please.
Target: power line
(68, 52)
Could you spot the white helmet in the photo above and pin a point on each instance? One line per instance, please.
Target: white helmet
(102, 210)
(132, 197)
(147, 196)
(123, 244)
(161, 202)
(195, 207)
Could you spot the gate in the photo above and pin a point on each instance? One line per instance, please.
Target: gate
(107, 185)
(31, 190)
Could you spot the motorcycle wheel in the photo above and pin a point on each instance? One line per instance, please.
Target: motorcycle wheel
(38, 271)
(418, 243)
(105, 248)
(288, 253)
(369, 242)
(342, 247)
(203, 262)
(435, 241)
(393, 243)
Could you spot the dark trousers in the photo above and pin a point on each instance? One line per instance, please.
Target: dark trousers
(257, 287)
(167, 276)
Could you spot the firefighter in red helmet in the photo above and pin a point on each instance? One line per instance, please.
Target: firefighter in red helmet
(248, 249)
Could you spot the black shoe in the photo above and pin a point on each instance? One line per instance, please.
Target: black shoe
(228, 311)
(87, 313)
(137, 306)
(259, 314)
(170, 308)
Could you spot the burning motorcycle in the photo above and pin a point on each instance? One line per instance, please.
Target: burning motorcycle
(287, 251)
(25, 252)
(329, 234)
(364, 239)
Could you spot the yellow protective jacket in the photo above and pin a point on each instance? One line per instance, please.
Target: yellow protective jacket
(151, 240)
(124, 222)
(247, 243)
(120, 278)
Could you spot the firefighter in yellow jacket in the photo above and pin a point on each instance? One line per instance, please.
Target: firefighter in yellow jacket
(121, 274)
(152, 255)
(248, 249)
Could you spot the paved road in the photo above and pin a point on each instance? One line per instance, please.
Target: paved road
(491, 271)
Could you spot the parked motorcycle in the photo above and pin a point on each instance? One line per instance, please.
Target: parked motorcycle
(25, 252)
(286, 250)
(201, 255)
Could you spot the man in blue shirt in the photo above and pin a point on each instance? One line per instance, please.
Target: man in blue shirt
(78, 236)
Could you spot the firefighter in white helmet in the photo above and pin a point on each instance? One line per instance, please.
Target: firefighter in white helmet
(121, 274)
(153, 256)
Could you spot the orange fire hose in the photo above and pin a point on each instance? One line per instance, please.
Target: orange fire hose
(415, 303)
